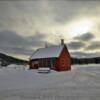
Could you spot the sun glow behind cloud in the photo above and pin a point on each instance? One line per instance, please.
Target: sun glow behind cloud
(80, 27)
(74, 28)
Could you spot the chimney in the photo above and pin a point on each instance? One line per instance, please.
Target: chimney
(62, 41)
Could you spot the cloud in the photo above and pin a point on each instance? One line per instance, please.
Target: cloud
(11, 42)
(93, 45)
(16, 51)
(67, 10)
(11, 38)
(75, 45)
(34, 18)
(43, 15)
(85, 37)
(37, 39)
(78, 54)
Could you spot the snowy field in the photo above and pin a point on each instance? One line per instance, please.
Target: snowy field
(81, 83)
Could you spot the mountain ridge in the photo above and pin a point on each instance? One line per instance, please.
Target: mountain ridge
(7, 59)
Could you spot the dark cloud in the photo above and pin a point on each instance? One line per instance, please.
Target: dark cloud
(85, 37)
(11, 42)
(38, 36)
(37, 40)
(64, 10)
(93, 46)
(46, 11)
(10, 38)
(67, 10)
(75, 45)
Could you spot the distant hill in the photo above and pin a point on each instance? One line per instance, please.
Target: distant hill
(6, 60)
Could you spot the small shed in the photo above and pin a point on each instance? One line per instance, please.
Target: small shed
(54, 57)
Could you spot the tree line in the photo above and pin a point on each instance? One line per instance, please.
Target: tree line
(95, 60)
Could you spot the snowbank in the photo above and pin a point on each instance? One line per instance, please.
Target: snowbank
(17, 67)
(77, 84)
(88, 67)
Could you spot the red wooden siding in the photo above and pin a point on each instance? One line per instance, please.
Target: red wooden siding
(63, 63)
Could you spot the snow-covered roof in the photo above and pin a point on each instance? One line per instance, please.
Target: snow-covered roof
(48, 52)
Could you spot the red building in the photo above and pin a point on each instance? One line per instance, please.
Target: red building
(54, 57)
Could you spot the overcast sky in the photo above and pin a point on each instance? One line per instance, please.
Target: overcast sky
(28, 25)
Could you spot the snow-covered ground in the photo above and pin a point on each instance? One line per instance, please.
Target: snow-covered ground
(81, 83)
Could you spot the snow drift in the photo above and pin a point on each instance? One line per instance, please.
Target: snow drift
(81, 83)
